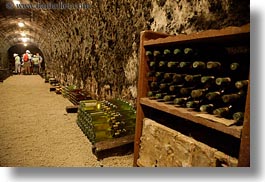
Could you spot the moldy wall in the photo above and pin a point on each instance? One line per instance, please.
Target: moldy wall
(97, 48)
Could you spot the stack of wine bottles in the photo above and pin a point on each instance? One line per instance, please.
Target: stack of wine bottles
(205, 79)
(103, 120)
(74, 94)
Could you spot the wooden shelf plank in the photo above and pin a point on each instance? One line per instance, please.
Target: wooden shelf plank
(224, 35)
(191, 115)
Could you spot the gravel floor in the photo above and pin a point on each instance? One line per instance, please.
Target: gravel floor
(36, 131)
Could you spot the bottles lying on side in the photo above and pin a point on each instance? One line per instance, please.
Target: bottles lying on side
(242, 84)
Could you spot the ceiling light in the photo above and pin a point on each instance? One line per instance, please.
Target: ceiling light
(21, 24)
(24, 39)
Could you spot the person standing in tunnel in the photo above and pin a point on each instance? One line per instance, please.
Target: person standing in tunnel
(17, 63)
(27, 64)
(35, 61)
(40, 61)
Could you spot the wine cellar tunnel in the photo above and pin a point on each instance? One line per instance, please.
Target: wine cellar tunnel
(97, 47)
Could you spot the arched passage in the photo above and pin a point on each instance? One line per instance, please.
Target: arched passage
(20, 49)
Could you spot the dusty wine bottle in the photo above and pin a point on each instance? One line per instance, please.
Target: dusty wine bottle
(149, 54)
(213, 65)
(213, 96)
(152, 65)
(164, 86)
(162, 65)
(184, 65)
(175, 88)
(169, 98)
(193, 79)
(181, 101)
(223, 81)
(188, 53)
(156, 53)
(208, 108)
(177, 53)
(199, 65)
(231, 98)
(223, 111)
(198, 93)
(167, 51)
(150, 74)
(241, 84)
(172, 65)
(160, 95)
(239, 71)
(186, 91)
(168, 77)
(178, 78)
(154, 85)
(193, 104)
(239, 117)
(159, 75)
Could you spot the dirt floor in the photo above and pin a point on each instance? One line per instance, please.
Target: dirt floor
(36, 131)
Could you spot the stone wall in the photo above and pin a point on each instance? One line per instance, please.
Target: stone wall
(98, 48)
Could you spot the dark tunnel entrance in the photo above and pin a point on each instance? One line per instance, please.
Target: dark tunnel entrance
(20, 49)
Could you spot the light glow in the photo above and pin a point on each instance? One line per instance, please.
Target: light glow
(24, 39)
(21, 24)
(23, 34)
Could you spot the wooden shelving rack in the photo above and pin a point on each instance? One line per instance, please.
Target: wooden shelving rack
(228, 37)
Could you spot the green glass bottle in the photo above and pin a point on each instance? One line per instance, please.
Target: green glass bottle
(175, 88)
(198, 93)
(152, 94)
(207, 79)
(193, 79)
(90, 105)
(164, 86)
(241, 84)
(167, 52)
(223, 81)
(169, 97)
(239, 117)
(181, 101)
(150, 74)
(213, 65)
(154, 86)
(234, 66)
(178, 78)
(160, 95)
(156, 54)
(193, 104)
(159, 75)
(213, 96)
(152, 65)
(185, 65)
(172, 65)
(208, 108)
(223, 111)
(231, 98)
(199, 65)
(186, 91)
(162, 65)
(188, 53)
(177, 53)
(239, 71)
(168, 77)
(148, 53)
